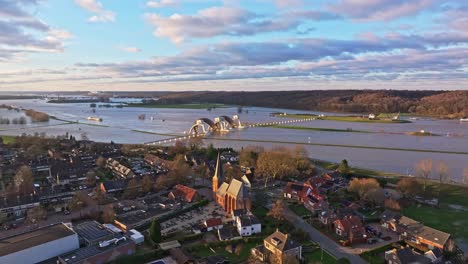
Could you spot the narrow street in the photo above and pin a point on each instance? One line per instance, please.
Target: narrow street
(329, 245)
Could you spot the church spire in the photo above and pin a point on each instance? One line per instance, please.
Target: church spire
(218, 175)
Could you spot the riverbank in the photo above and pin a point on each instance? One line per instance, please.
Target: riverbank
(177, 106)
(318, 129)
(357, 119)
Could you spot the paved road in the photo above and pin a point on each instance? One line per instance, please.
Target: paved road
(329, 245)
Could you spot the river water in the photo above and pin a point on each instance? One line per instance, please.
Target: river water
(120, 125)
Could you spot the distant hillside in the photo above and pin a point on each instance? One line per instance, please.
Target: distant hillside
(451, 104)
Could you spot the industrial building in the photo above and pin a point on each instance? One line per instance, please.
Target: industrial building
(38, 245)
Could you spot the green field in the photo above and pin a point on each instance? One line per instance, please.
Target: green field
(316, 257)
(444, 218)
(358, 119)
(178, 106)
(318, 129)
(8, 139)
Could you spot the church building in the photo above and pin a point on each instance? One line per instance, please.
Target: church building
(231, 196)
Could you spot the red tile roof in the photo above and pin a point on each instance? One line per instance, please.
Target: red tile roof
(184, 192)
(212, 222)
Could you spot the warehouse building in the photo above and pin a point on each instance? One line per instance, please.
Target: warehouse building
(38, 245)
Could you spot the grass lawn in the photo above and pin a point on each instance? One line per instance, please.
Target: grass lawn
(355, 170)
(445, 219)
(316, 257)
(178, 106)
(299, 209)
(233, 258)
(8, 139)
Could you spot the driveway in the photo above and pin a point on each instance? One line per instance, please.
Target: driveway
(326, 243)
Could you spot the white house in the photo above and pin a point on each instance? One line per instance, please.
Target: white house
(248, 225)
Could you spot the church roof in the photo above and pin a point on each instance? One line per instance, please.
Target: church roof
(222, 189)
(219, 169)
(235, 188)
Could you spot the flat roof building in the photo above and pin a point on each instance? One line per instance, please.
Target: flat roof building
(92, 232)
(38, 245)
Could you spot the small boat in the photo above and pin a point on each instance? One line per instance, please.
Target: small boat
(464, 119)
(97, 119)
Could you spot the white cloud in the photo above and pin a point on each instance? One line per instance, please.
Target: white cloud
(161, 3)
(130, 49)
(95, 7)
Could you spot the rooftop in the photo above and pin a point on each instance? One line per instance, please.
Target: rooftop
(92, 230)
(87, 252)
(34, 238)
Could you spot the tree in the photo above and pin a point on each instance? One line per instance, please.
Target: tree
(91, 178)
(423, 171)
(202, 172)
(155, 231)
(377, 196)
(409, 187)
(343, 168)
(443, 173)
(392, 204)
(100, 195)
(101, 162)
(132, 189)
(260, 197)
(78, 202)
(465, 175)
(275, 164)
(147, 184)
(179, 171)
(232, 172)
(277, 211)
(248, 156)
(108, 214)
(35, 214)
(363, 186)
(24, 181)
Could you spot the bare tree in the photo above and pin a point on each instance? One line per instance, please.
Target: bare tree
(277, 211)
(362, 187)
(202, 171)
(24, 180)
(465, 175)
(275, 164)
(78, 202)
(101, 162)
(443, 172)
(91, 178)
(409, 187)
(108, 214)
(423, 170)
(147, 184)
(36, 214)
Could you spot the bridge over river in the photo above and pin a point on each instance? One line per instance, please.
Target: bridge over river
(220, 125)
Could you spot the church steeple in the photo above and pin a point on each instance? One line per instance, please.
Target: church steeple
(218, 175)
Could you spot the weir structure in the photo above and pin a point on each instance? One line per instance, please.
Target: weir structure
(221, 124)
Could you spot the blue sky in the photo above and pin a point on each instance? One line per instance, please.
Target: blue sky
(233, 45)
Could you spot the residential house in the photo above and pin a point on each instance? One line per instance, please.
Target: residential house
(296, 191)
(278, 246)
(350, 227)
(113, 186)
(405, 256)
(183, 193)
(213, 224)
(248, 224)
(119, 169)
(416, 234)
(17, 206)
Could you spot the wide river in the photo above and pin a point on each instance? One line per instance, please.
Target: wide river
(121, 125)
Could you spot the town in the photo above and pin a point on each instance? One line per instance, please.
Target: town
(76, 201)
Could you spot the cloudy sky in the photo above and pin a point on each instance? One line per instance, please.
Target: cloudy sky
(64, 45)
